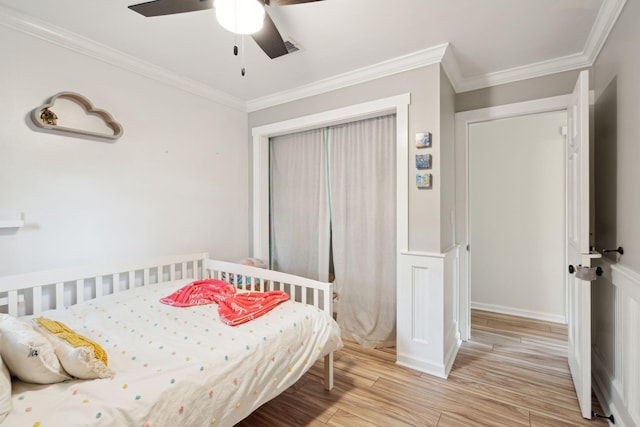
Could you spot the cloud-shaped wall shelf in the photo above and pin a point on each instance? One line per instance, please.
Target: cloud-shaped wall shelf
(71, 112)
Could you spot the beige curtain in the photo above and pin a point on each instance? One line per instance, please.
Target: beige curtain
(362, 171)
(338, 185)
(299, 211)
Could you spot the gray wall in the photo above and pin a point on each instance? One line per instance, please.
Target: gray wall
(447, 162)
(525, 90)
(617, 115)
(617, 213)
(174, 183)
(424, 115)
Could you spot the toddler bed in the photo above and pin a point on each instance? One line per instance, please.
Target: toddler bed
(167, 366)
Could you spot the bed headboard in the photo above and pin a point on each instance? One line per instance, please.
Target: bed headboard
(31, 293)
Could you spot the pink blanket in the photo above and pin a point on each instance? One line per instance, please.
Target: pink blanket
(233, 308)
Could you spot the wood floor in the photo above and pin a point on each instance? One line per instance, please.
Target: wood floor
(513, 372)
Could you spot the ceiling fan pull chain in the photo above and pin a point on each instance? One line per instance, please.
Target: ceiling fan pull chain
(235, 44)
(241, 41)
(242, 70)
(235, 34)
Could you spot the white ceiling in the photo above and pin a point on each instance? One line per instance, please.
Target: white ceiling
(489, 41)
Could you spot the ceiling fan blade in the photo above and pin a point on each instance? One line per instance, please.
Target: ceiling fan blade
(170, 7)
(286, 2)
(269, 39)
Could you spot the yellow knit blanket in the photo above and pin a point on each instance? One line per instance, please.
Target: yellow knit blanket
(62, 331)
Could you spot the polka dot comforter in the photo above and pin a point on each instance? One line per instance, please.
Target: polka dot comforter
(176, 366)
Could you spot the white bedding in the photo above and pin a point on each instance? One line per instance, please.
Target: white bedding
(176, 366)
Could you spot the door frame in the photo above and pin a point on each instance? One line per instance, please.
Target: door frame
(462, 122)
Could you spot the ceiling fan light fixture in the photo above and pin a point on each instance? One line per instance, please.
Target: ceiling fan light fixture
(240, 16)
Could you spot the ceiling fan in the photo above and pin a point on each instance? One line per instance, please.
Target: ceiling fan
(268, 37)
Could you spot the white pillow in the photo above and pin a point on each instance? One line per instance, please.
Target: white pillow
(78, 355)
(27, 353)
(5, 391)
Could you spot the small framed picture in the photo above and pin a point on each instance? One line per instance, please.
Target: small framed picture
(423, 139)
(423, 180)
(423, 161)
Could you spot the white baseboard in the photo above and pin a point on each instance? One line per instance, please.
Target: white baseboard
(547, 317)
(452, 345)
(426, 366)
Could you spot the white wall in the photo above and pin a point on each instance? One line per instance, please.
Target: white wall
(517, 215)
(176, 182)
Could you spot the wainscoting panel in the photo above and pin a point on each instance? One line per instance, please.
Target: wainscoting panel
(420, 294)
(616, 342)
(427, 337)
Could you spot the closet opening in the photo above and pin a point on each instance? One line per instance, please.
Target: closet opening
(332, 197)
(397, 105)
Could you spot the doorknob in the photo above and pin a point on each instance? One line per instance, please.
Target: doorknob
(599, 270)
(620, 250)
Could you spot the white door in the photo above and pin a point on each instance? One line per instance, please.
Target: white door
(578, 248)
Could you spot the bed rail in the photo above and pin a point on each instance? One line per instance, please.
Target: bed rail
(31, 293)
(301, 289)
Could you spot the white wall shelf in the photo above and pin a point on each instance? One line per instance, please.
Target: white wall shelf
(12, 223)
(75, 123)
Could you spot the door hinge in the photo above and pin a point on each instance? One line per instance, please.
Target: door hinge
(467, 247)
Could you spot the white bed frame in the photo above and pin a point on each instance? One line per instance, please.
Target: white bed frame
(32, 293)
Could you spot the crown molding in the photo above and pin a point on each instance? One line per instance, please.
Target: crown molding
(400, 64)
(29, 25)
(452, 69)
(605, 20)
(538, 69)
